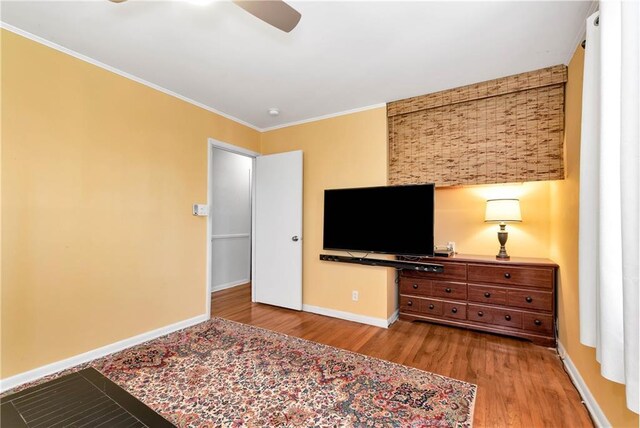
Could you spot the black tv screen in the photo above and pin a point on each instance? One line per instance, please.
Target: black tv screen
(391, 220)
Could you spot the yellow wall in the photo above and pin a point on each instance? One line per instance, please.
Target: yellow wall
(351, 151)
(99, 174)
(564, 251)
(459, 217)
(345, 151)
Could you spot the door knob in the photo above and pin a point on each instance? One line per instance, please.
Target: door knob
(295, 238)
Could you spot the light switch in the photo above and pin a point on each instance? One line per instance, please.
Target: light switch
(200, 210)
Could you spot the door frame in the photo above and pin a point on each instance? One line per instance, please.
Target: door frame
(216, 144)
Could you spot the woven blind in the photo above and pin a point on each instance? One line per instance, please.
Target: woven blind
(500, 131)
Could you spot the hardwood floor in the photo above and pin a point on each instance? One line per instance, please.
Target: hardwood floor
(519, 384)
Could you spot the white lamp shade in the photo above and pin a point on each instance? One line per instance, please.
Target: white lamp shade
(503, 210)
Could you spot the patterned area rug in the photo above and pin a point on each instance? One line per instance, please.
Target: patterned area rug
(222, 373)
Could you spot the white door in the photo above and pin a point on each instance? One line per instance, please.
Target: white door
(278, 230)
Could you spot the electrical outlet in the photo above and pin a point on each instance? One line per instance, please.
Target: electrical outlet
(354, 295)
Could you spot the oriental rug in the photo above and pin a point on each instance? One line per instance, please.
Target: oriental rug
(223, 373)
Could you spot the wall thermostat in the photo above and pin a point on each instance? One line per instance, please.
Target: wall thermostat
(200, 210)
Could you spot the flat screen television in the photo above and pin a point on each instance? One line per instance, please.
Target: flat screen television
(390, 220)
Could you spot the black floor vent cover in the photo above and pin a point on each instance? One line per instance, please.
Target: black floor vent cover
(82, 399)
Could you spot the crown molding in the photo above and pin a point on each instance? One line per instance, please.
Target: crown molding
(326, 116)
(119, 72)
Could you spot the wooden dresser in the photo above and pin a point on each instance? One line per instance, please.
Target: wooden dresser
(515, 297)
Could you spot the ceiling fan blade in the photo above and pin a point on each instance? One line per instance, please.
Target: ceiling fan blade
(273, 12)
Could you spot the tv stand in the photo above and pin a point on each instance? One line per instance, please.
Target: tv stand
(398, 264)
(515, 298)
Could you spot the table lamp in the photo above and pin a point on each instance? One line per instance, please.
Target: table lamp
(502, 211)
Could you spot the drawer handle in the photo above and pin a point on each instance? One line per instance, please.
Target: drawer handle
(448, 290)
(415, 286)
(507, 275)
(487, 294)
(454, 310)
(431, 306)
(507, 317)
(480, 313)
(409, 303)
(528, 299)
(537, 322)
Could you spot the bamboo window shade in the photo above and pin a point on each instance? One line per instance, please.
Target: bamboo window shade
(501, 131)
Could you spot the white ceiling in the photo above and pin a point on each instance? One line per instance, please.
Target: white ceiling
(342, 56)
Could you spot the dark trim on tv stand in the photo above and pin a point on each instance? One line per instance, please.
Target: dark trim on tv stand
(398, 264)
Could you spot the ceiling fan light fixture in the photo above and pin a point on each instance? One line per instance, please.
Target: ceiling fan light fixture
(276, 13)
(201, 3)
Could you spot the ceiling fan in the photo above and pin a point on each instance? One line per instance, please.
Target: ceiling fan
(274, 12)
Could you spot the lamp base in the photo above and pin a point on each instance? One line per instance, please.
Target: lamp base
(502, 238)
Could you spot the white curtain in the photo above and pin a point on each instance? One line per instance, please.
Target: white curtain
(609, 255)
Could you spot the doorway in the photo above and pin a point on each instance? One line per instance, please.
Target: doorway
(230, 219)
(229, 226)
(254, 227)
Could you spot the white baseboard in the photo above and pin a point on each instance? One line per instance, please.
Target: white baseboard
(363, 319)
(229, 285)
(596, 412)
(394, 317)
(31, 375)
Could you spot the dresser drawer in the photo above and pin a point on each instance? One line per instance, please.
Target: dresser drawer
(454, 310)
(538, 322)
(515, 297)
(452, 271)
(410, 304)
(449, 290)
(416, 286)
(510, 275)
(431, 307)
(486, 294)
(495, 316)
(542, 300)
